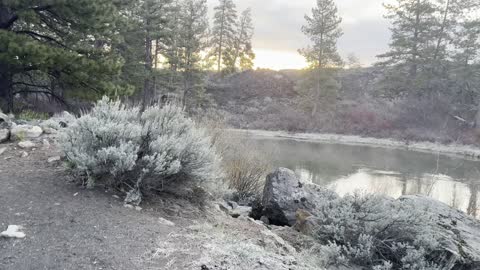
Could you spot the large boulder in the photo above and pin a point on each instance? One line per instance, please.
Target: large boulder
(20, 132)
(460, 232)
(284, 194)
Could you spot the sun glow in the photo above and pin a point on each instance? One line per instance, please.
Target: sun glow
(277, 60)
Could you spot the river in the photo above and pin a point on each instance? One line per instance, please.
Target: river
(393, 172)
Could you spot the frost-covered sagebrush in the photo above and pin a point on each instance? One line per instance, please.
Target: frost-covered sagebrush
(122, 145)
(378, 233)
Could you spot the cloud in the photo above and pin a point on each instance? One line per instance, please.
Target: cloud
(278, 25)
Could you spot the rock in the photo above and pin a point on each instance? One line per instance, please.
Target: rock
(265, 220)
(128, 206)
(26, 132)
(284, 194)
(3, 150)
(4, 135)
(26, 144)
(165, 222)
(13, 231)
(233, 204)
(54, 159)
(138, 208)
(460, 232)
(46, 144)
(241, 211)
(23, 154)
(5, 121)
(224, 207)
(5, 126)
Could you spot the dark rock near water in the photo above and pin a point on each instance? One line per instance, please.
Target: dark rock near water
(284, 194)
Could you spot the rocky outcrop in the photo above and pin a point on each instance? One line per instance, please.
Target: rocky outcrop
(460, 232)
(284, 194)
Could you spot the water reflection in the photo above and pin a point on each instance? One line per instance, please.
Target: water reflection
(392, 172)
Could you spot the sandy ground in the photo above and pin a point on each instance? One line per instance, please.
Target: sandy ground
(459, 150)
(68, 227)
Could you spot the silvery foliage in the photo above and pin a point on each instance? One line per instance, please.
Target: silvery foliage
(58, 121)
(123, 145)
(377, 232)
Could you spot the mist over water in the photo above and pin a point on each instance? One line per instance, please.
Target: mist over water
(393, 172)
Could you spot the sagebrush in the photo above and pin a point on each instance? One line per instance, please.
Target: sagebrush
(125, 147)
(378, 233)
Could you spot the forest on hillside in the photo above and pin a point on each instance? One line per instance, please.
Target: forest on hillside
(62, 55)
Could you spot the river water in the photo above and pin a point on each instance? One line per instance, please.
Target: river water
(393, 172)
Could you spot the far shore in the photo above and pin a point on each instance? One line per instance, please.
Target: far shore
(459, 150)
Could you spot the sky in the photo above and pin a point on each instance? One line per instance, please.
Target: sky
(278, 34)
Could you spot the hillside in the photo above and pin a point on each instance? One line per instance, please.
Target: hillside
(266, 99)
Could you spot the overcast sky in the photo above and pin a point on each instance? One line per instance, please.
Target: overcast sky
(278, 33)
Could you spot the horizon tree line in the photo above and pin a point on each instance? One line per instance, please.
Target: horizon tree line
(434, 51)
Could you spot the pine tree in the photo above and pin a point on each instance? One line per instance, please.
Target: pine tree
(412, 34)
(192, 40)
(243, 55)
(58, 49)
(424, 34)
(224, 32)
(323, 29)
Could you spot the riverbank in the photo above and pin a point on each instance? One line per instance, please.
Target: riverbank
(459, 150)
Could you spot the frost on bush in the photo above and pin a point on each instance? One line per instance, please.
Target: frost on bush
(124, 147)
(378, 233)
(58, 121)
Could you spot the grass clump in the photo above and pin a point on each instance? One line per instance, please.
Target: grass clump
(29, 115)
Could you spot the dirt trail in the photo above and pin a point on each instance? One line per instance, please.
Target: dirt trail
(68, 227)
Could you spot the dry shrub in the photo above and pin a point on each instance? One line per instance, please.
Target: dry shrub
(246, 169)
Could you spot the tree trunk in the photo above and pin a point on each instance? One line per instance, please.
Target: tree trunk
(414, 67)
(6, 91)
(442, 30)
(147, 85)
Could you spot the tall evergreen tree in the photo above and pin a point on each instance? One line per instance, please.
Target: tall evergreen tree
(57, 48)
(243, 54)
(424, 34)
(323, 29)
(412, 46)
(147, 33)
(224, 32)
(192, 41)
